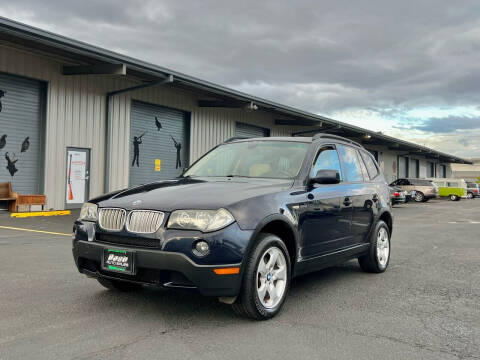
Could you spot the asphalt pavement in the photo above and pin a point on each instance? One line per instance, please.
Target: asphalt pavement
(426, 306)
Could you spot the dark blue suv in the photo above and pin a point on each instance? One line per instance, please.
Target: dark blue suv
(242, 221)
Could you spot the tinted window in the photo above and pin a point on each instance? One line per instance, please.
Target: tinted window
(351, 163)
(370, 164)
(327, 159)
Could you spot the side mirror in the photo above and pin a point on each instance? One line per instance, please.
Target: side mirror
(325, 177)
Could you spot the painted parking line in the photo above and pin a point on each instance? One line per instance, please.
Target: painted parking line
(35, 231)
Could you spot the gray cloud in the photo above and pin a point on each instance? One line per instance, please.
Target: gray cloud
(447, 124)
(321, 56)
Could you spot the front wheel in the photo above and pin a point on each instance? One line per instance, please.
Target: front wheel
(266, 279)
(378, 257)
(470, 195)
(454, 197)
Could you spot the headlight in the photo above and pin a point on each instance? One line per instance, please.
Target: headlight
(89, 212)
(203, 220)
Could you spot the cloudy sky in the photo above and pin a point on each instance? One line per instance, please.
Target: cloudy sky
(407, 68)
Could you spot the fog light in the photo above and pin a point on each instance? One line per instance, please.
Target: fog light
(201, 248)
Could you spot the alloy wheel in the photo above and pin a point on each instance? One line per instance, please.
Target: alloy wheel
(383, 248)
(271, 279)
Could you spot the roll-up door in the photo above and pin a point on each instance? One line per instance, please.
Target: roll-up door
(159, 139)
(250, 131)
(403, 167)
(21, 113)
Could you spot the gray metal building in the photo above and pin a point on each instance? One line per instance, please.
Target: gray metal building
(125, 122)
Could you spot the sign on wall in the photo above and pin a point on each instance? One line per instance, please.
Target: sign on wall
(76, 176)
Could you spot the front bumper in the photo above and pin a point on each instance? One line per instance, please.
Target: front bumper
(172, 263)
(159, 268)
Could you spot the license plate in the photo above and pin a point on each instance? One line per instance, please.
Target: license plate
(118, 261)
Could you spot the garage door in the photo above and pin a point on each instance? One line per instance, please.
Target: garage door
(20, 133)
(402, 167)
(158, 143)
(250, 131)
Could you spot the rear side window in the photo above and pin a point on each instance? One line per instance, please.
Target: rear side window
(351, 163)
(370, 164)
(327, 159)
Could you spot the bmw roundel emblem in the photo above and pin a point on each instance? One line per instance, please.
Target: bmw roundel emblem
(136, 202)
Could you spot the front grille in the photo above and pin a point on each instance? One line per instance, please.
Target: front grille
(127, 240)
(144, 221)
(111, 219)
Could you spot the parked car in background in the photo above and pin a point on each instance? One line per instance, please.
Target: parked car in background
(420, 190)
(397, 195)
(455, 189)
(473, 190)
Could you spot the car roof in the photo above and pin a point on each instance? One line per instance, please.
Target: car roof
(303, 139)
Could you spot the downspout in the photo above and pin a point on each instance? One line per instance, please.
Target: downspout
(109, 95)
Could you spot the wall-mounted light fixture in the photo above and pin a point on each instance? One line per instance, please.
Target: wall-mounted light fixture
(251, 106)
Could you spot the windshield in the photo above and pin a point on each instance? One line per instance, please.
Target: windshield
(257, 159)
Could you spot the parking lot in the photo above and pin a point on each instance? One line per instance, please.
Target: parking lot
(426, 306)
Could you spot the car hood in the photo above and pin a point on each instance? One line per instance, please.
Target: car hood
(192, 193)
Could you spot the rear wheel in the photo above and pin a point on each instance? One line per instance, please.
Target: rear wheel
(419, 197)
(378, 257)
(454, 198)
(266, 279)
(118, 285)
(469, 195)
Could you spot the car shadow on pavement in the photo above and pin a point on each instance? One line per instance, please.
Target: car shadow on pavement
(178, 305)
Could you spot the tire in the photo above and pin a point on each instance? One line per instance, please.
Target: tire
(419, 197)
(454, 197)
(470, 195)
(373, 261)
(248, 303)
(118, 285)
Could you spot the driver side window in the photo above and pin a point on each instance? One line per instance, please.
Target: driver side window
(327, 159)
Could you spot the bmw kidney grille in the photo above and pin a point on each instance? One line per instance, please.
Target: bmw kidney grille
(144, 221)
(111, 219)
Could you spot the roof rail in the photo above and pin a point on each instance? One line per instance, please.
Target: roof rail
(330, 136)
(235, 138)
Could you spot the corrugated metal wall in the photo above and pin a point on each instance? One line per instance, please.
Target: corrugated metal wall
(75, 117)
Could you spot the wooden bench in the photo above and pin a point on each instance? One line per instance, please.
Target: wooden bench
(16, 201)
(6, 193)
(26, 200)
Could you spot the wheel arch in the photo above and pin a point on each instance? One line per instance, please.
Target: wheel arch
(387, 217)
(282, 227)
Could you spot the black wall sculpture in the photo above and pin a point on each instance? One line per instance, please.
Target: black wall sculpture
(137, 140)
(3, 141)
(178, 146)
(158, 124)
(25, 144)
(12, 169)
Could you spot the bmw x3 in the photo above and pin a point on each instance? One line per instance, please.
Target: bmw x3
(242, 221)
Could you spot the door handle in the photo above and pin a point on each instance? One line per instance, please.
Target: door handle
(347, 202)
(375, 197)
